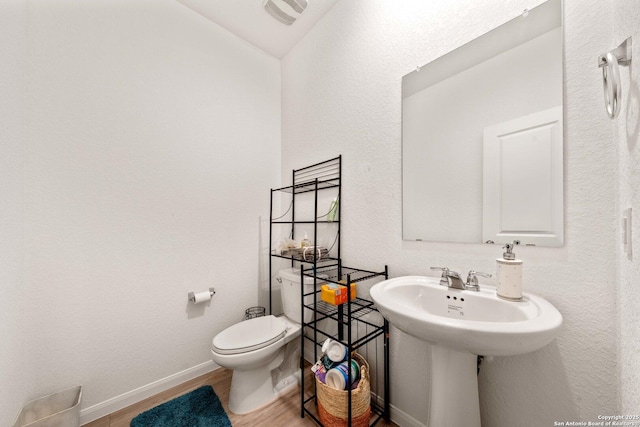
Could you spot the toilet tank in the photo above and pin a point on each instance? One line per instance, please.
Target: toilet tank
(291, 295)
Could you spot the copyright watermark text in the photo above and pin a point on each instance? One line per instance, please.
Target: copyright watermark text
(603, 420)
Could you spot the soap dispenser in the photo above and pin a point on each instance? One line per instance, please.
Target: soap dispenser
(509, 274)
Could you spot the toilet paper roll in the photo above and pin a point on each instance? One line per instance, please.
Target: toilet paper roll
(201, 297)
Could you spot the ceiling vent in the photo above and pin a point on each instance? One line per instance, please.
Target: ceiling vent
(285, 11)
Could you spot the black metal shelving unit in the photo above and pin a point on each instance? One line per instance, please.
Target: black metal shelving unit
(358, 314)
(358, 323)
(310, 179)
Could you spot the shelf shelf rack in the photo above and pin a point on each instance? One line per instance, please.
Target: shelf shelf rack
(354, 315)
(320, 176)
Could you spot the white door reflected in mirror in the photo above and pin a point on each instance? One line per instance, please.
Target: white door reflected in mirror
(522, 180)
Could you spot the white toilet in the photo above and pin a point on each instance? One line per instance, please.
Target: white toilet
(254, 348)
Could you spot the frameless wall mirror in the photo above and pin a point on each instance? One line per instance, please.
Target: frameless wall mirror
(482, 137)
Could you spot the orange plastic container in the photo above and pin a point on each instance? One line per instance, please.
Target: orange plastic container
(336, 294)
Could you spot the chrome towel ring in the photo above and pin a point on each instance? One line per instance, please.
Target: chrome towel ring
(610, 63)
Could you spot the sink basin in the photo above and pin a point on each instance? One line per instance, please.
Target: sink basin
(461, 324)
(476, 322)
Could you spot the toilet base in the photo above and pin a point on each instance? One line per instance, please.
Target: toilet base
(251, 390)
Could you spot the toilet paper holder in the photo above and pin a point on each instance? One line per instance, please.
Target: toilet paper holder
(192, 296)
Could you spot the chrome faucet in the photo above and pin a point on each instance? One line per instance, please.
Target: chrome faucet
(452, 279)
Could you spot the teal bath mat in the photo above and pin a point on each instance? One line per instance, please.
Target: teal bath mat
(199, 408)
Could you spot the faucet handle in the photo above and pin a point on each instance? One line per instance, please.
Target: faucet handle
(444, 270)
(472, 278)
(478, 273)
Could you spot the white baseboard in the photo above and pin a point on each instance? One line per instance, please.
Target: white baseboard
(398, 416)
(114, 404)
(403, 419)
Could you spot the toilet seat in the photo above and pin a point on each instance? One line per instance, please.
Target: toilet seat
(249, 335)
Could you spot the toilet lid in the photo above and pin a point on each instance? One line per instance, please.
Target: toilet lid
(249, 335)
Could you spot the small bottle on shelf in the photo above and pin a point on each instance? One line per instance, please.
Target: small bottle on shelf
(333, 210)
(305, 242)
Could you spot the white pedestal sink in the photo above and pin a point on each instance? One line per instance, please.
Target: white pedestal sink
(459, 325)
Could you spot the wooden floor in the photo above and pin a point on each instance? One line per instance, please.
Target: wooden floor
(283, 412)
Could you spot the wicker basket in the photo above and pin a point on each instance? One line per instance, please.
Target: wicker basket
(333, 405)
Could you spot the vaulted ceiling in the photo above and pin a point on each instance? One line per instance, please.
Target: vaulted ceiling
(249, 20)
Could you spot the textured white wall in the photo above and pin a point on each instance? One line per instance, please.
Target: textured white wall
(14, 373)
(341, 94)
(627, 23)
(152, 137)
(137, 117)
